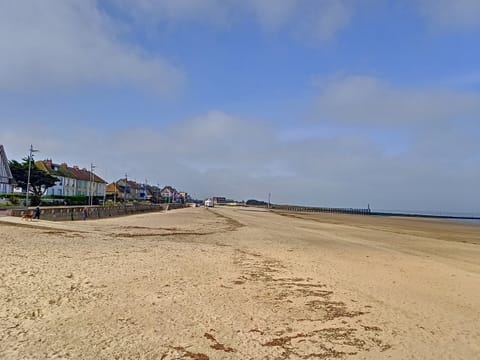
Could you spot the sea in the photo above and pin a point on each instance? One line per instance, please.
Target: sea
(470, 217)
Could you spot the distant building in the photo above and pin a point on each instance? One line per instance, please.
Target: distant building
(183, 196)
(219, 200)
(168, 192)
(153, 193)
(114, 191)
(122, 189)
(135, 190)
(209, 203)
(6, 179)
(131, 190)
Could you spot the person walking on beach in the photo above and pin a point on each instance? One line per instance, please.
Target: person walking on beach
(84, 213)
(36, 214)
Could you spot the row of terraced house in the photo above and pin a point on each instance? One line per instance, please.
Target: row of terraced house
(76, 181)
(131, 190)
(72, 180)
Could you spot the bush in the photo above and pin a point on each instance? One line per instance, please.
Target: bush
(254, 202)
(76, 200)
(34, 200)
(14, 200)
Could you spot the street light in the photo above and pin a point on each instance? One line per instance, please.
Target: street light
(145, 190)
(32, 150)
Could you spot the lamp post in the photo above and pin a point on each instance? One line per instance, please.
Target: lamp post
(145, 190)
(32, 150)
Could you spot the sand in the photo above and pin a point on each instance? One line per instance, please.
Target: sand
(239, 283)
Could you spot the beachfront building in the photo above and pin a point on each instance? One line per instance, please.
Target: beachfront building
(219, 200)
(6, 179)
(66, 184)
(88, 183)
(72, 181)
(131, 190)
(114, 191)
(183, 195)
(123, 189)
(135, 189)
(144, 192)
(169, 193)
(153, 193)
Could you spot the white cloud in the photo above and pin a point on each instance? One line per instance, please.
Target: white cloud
(457, 14)
(327, 18)
(365, 100)
(211, 11)
(318, 20)
(70, 43)
(272, 14)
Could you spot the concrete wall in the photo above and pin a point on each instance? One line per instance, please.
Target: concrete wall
(63, 213)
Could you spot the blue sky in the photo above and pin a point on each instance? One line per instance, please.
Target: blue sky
(326, 102)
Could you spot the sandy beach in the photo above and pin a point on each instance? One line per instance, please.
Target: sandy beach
(239, 283)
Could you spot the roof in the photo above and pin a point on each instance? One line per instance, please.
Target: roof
(169, 188)
(80, 174)
(54, 169)
(69, 172)
(134, 185)
(4, 160)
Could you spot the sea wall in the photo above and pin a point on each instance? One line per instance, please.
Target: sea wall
(63, 213)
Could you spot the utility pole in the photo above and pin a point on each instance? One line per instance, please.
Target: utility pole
(269, 196)
(125, 191)
(92, 178)
(145, 187)
(104, 186)
(115, 194)
(32, 150)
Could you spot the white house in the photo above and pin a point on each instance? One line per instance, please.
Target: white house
(72, 181)
(6, 179)
(66, 184)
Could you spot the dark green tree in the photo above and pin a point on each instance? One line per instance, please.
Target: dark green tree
(40, 181)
